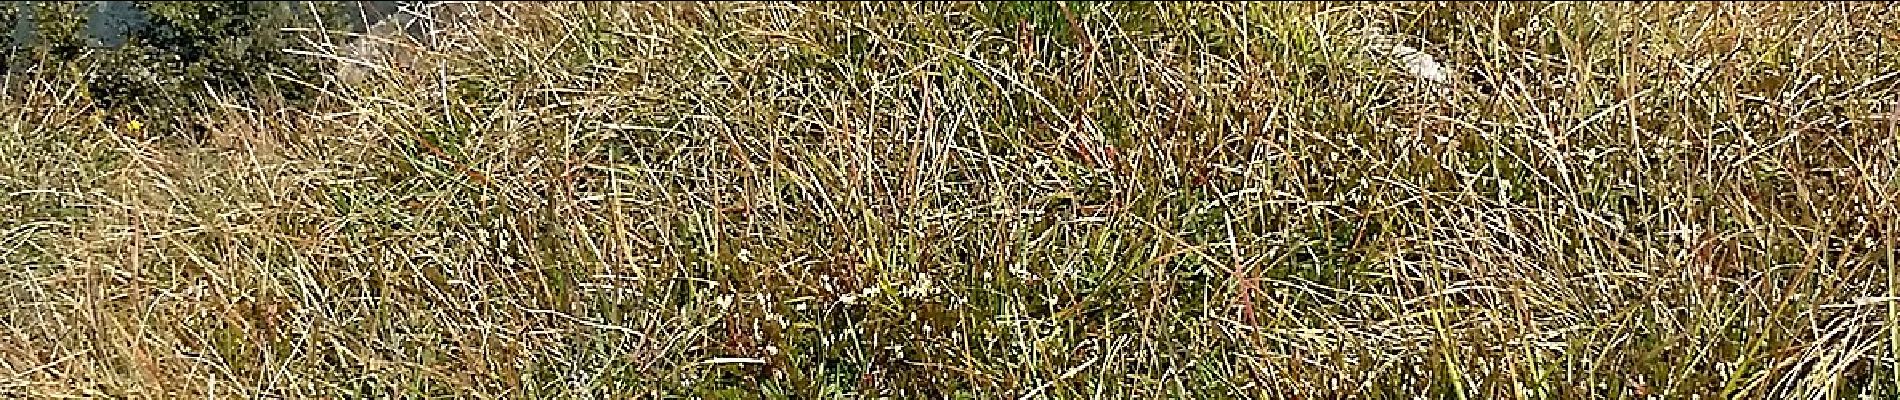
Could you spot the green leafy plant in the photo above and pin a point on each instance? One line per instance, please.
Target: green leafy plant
(181, 56)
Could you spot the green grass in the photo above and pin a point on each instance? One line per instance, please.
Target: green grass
(1045, 200)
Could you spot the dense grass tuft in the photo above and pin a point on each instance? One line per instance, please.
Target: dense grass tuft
(983, 200)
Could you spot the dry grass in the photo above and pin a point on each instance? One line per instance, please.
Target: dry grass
(814, 200)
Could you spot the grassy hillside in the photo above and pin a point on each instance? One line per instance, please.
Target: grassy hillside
(996, 200)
